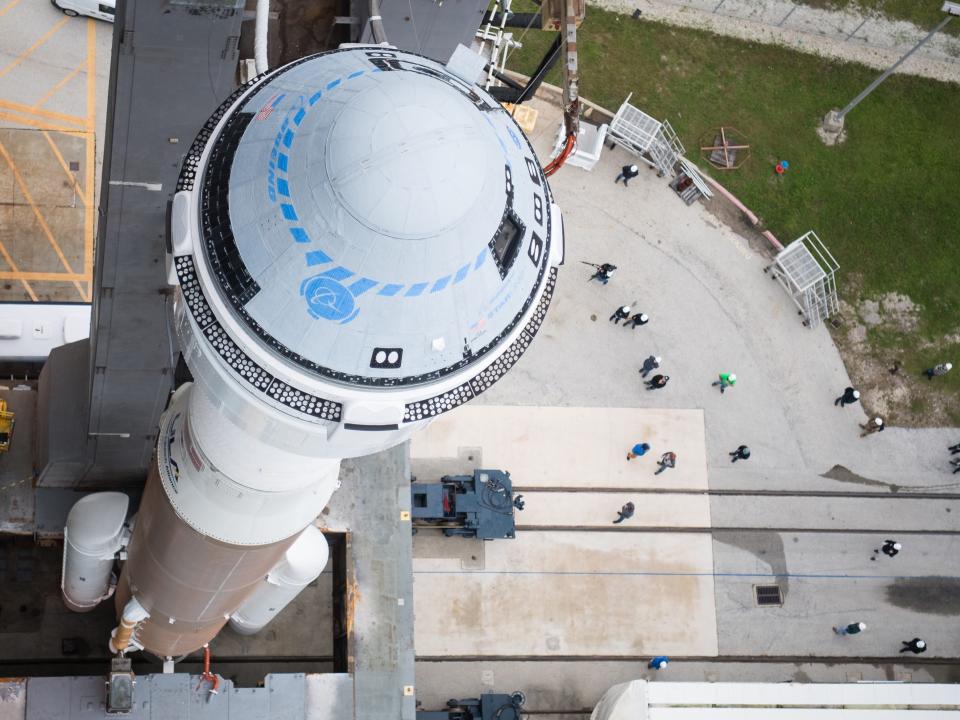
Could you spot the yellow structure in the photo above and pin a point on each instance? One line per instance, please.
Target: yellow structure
(6, 426)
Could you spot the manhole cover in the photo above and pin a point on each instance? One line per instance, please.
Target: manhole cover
(768, 594)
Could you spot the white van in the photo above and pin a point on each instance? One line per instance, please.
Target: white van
(100, 9)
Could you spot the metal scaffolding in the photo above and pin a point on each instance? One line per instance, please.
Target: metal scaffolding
(652, 141)
(806, 270)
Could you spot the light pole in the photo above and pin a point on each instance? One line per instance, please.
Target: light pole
(833, 121)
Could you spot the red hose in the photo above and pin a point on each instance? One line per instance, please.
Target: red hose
(560, 159)
(207, 676)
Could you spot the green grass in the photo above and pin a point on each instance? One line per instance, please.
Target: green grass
(886, 202)
(923, 13)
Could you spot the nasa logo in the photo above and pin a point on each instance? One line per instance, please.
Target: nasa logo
(328, 299)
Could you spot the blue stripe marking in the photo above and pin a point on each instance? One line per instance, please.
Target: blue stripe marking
(362, 285)
(316, 257)
(480, 258)
(333, 83)
(339, 273)
(277, 101)
(441, 284)
(358, 73)
(300, 235)
(283, 187)
(282, 161)
(461, 274)
(288, 212)
(298, 118)
(288, 138)
(390, 289)
(416, 289)
(316, 96)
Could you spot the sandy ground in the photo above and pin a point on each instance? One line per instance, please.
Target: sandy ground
(871, 40)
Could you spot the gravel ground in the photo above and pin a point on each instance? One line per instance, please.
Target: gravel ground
(871, 40)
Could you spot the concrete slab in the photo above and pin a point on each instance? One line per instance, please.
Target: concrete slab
(884, 515)
(570, 594)
(599, 510)
(581, 447)
(832, 579)
(43, 215)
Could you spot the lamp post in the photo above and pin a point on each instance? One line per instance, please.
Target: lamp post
(832, 125)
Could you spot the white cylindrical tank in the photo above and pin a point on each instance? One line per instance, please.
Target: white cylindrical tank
(301, 565)
(94, 533)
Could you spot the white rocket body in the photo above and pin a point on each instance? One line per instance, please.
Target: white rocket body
(362, 241)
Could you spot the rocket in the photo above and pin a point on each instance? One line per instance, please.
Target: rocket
(360, 241)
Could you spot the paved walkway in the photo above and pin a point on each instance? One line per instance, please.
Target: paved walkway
(868, 39)
(712, 310)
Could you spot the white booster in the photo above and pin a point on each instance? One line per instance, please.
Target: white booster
(361, 241)
(94, 533)
(302, 563)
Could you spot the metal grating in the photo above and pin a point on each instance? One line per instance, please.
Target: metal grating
(768, 595)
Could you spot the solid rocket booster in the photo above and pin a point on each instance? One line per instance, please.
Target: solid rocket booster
(362, 240)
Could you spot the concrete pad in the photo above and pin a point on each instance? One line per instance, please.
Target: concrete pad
(595, 510)
(582, 447)
(571, 594)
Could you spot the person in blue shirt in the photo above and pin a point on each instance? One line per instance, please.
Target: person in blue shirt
(659, 662)
(638, 450)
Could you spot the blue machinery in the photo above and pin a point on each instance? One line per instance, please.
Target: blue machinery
(478, 506)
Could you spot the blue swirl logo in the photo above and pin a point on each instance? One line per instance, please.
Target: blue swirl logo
(328, 299)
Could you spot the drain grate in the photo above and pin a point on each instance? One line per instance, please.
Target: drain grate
(768, 595)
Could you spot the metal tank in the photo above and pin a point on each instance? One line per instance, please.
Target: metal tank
(362, 240)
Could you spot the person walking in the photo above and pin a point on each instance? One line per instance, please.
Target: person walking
(657, 382)
(938, 370)
(954, 449)
(956, 466)
(604, 272)
(872, 426)
(851, 629)
(638, 450)
(891, 548)
(627, 173)
(626, 512)
(659, 662)
(637, 319)
(849, 397)
(741, 453)
(667, 460)
(916, 646)
(621, 313)
(726, 380)
(651, 364)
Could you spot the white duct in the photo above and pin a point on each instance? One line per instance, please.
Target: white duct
(260, 36)
(93, 535)
(301, 565)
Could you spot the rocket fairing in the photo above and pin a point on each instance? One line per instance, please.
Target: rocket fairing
(362, 241)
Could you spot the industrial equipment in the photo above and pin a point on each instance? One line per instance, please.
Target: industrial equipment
(7, 421)
(488, 706)
(360, 241)
(480, 506)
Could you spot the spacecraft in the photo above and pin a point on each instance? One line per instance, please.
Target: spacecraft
(360, 241)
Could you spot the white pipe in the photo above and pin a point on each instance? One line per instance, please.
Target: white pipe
(260, 36)
(91, 538)
(133, 614)
(301, 565)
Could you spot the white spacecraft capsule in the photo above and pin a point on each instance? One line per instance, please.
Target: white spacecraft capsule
(363, 241)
